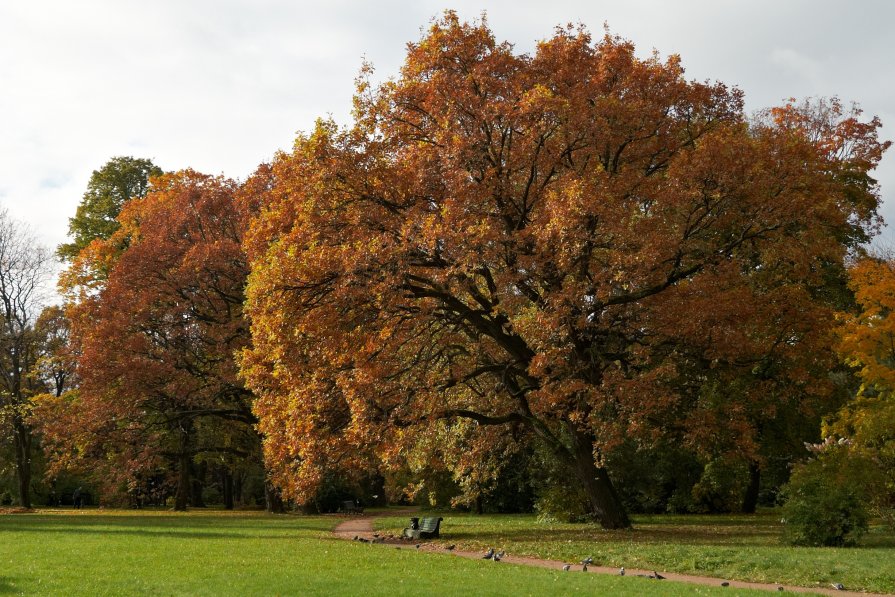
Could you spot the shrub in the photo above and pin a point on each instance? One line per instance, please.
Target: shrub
(826, 502)
(721, 487)
(563, 504)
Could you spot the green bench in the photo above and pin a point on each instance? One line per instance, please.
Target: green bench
(423, 528)
(350, 507)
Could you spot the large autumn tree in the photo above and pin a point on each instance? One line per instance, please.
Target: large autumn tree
(573, 242)
(156, 341)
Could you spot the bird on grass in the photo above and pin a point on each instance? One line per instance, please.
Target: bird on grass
(497, 557)
(488, 554)
(567, 567)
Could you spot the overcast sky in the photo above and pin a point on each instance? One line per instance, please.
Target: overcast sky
(220, 85)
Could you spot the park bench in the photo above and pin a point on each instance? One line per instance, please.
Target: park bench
(423, 528)
(350, 507)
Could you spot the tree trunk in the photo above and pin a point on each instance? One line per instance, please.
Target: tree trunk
(184, 463)
(603, 500)
(750, 499)
(237, 489)
(22, 440)
(227, 488)
(197, 485)
(272, 499)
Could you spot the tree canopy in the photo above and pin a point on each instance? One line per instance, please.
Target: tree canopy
(156, 344)
(119, 180)
(569, 242)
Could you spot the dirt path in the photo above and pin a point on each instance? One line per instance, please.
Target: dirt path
(362, 528)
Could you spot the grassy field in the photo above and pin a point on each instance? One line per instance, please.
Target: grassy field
(741, 547)
(90, 552)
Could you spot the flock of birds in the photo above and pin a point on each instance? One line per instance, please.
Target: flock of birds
(497, 556)
(490, 554)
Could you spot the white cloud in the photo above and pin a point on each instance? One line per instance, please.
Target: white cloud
(798, 65)
(220, 85)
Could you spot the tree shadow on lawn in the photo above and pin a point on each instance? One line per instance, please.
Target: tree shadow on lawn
(690, 537)
(732, 535)
(169, 526)
(6, 588)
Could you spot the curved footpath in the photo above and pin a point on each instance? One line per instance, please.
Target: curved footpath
(363, 527)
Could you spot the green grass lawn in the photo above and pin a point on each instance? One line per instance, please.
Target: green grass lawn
(91, 552)
(741, 547)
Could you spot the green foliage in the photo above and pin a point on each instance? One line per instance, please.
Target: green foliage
(333, 490)
(654, 480)
(563, 503)
(721, 486)
(825, 502)
(512, 490)
(869, 423)
(120, 179)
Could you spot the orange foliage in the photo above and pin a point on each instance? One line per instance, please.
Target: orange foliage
(570, 241)
(157, 334)
(867, 339)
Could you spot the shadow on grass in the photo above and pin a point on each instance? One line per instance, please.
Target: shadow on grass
(716, 531)
(174, 534)
(6, 588)
(176, 526)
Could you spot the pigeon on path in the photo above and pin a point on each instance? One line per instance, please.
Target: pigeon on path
(567, 567)
(621, 571)
(488, 554)
(838, 586)
(450, 547)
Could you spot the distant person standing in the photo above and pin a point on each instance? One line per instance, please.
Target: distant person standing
(77, 499)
